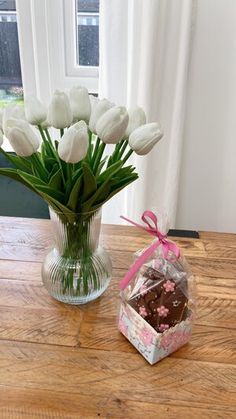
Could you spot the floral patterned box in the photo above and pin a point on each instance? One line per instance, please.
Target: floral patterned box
(152, 345)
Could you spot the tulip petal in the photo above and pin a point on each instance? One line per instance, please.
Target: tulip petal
(73, 145)
(112, 125)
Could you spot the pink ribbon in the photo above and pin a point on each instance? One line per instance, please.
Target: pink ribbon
(149, 217)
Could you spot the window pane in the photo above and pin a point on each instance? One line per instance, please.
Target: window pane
(87, 35)
(10, 70)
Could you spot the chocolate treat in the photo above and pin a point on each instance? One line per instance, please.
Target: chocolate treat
(161, 300)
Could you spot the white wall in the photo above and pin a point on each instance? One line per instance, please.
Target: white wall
(207, 196)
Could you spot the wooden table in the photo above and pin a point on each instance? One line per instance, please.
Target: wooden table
(59, 361)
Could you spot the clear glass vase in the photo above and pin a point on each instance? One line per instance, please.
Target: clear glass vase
(77, 270)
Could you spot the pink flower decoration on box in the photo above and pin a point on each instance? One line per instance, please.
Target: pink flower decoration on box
(146, 336)
(123, 327)
(156, 264)
(163, 327)
(142, 311)
(162, 311)
(173, 341)
(169, 286)
(143, 289)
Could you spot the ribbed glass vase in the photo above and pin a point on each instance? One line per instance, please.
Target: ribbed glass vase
(77, 270)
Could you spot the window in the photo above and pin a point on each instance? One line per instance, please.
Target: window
(82, 40)
(87, 36)
(10, 68)
(59, 44)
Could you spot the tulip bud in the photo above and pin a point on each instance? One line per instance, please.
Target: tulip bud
(80, 103)
(143, 138)
(112, 125)
(9, 112)
(59, 111)
(97, 111)
(35, 111)
(73, 145)
(22, 137)
(137, 118)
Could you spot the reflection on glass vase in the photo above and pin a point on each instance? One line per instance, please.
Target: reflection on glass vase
(77, 270)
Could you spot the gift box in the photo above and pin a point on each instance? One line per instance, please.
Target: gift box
(157, 297)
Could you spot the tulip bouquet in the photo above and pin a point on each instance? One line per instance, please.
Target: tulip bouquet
(71, 172)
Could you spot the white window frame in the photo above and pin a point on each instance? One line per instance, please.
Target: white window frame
(47, 40)
(72, 68)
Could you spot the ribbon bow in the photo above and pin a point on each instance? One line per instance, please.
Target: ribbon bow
(149, 217)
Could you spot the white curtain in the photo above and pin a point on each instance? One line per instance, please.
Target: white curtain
(144, 58)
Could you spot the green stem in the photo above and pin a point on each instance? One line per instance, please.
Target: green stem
(48, 136)
(118, 146)
(49, 143)
(90, 146)
(60, 165)
(98, 157)
(61, 132)
(37, 164)
(127, 156)
(42, 134)
(96, 149)
(123, 148)
(115, 155)
(69, 172)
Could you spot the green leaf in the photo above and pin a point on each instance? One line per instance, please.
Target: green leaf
(56, 180)
(115, 191)
(76, 174)
(54, 170)
(59, 196)
(13, 174)
(102, 164)
(58, 207)
(19, 162)
(38, 168)
(89, 182)
(121, 182)
(73, 198)
(30, 179)
(109, 171)
(41, 186)
(101, 191)
(71, 184)
(103, 194)
(49, 163)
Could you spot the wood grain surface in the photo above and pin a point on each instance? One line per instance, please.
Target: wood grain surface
(60, 361)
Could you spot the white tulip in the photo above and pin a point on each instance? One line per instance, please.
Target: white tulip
(112, 125)
(93, 101)
(137, 118)
(80, 103)
(59, 111)
(143, 138)
(35, 111)
(73, 145)
(98, 110)
(23, 139)
(11, 111)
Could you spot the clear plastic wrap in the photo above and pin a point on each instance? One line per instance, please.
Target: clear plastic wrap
(157, 302)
